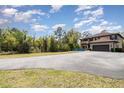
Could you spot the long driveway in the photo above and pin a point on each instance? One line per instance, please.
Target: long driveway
(99, 63)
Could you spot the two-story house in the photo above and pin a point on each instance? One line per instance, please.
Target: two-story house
(103, 41)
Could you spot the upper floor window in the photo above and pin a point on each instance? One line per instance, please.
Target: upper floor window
(96, 38)
(85, 39)
(91, 39)
(113, 37)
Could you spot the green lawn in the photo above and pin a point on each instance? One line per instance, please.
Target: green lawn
(30, 54)
(54, 78)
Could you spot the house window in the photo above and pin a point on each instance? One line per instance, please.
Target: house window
(91, 39)
(96, 38)
(113, 37)
(84, 47)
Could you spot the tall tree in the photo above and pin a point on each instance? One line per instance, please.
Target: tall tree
(0, 39)
(72, 38)
(85, 34)
(45, 44)
(52, 44)
(59, 33)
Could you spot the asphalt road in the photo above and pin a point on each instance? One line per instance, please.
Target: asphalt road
(99, 63)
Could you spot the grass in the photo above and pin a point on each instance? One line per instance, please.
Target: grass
(54, 78)
(30, 54)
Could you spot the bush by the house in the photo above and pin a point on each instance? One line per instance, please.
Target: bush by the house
(117, 49)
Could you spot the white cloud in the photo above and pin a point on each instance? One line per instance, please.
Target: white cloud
(22, 16)
(26, 16)
(97, 12)
(87, 12)
(90, 17)
(96, 29)
(38, 27)
(97, 22)
(113, 28)
(34, 20)
(58, 25)
(76, 19)
(110, 28)
(39, 12)
(55, 8)
(79, 24)
(83, 7)
(88, 21)
(3, 21)
(9, 11)
(104, 22)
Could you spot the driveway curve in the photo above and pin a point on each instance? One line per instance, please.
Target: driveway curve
(99, 63)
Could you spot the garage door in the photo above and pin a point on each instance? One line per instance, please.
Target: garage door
(100, 47)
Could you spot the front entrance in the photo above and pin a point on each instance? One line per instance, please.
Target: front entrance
(100, 47)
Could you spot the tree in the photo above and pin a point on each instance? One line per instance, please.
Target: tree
(59, 33)
(9, 41)
(0, 39)
(53, 46)
(15, 40)
(122, 33)
(85, 34)
(45, 44)
(72, 38)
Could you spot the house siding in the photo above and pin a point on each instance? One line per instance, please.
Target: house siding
(103, 38)
(120, 40)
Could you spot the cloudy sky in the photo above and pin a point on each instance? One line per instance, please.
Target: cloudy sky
(43, 20)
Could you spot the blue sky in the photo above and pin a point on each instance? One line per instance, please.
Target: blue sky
(44, 19)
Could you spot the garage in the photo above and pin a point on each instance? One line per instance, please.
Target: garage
(100, 47)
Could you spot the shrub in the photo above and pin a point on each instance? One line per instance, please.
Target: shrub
(117, 50)
(65, 47)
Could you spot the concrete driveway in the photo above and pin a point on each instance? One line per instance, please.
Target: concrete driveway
(100, 63)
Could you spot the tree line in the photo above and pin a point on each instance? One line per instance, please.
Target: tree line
(14, 40)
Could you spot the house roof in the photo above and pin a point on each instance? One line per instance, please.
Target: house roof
(103, 33)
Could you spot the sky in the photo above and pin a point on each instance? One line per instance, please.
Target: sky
(44, 19)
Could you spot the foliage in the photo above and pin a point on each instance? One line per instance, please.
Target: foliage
(15, 40)
(117, 50)
(86, 34)
(123, 44)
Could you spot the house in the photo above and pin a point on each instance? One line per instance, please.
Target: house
(103, 41)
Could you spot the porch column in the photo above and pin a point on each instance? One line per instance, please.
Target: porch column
(113, 47)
